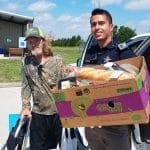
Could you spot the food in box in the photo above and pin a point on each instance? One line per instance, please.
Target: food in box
(110, 102)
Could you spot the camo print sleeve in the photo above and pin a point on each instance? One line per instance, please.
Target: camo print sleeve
(61, 67)
(25, 91)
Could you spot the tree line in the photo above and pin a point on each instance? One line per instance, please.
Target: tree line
(122, 34)
(67, 42)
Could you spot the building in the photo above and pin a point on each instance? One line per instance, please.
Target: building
(12, 26)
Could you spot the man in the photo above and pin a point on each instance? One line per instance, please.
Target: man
(46, 127)
(111, 137)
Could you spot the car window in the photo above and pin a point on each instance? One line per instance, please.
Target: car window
(92, 43)
(146, 54)
(135, 45)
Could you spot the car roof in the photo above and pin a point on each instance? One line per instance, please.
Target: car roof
(141, 35)
(130, 41)
(138, 38)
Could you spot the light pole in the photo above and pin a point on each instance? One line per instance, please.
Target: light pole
(97, 3)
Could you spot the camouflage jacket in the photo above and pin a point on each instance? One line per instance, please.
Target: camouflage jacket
(54, 70)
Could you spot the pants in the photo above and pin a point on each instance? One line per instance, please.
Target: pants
(109, 138)
(143, 146)
(45, 131)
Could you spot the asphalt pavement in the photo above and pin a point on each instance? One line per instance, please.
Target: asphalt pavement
(10, 103)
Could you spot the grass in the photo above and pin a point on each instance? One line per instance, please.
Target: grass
(10, 70)
(70, 54)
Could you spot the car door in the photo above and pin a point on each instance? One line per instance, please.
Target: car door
(144, 50)
(89, 43)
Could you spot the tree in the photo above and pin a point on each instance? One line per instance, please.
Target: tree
(123, 33)
(73, 41)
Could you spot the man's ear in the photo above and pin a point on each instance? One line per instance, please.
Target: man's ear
(112, 27)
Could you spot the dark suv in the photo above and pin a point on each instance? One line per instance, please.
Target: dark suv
(140, 44)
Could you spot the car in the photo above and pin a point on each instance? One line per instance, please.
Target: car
(140, 44)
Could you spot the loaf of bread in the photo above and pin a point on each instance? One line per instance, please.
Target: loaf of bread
(94, 74)
(84, 72)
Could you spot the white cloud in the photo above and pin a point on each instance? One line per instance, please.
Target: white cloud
(98, 3)
(45, 17)
(140, 26)
(138, 4)
(45, 21)
(41, 6)
(132, 24)
(64, 26)
(12, 7)
(74, 25)
(64, 18)
(146, 22)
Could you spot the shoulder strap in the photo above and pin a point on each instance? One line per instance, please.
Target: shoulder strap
(26, 70)
(45, 85)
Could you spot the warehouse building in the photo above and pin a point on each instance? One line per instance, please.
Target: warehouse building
(12, 26)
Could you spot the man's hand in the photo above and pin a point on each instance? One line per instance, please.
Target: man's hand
(94, 127)
(71, 68)
(25, 112)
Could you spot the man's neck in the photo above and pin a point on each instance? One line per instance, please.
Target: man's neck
(104, 43)
(42, 59)
(39, 58)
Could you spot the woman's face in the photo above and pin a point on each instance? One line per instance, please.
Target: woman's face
(35, 45)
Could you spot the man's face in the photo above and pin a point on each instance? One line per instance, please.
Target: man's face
(101, 28)
(35, 45)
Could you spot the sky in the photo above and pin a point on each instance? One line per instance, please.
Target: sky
(65, 18)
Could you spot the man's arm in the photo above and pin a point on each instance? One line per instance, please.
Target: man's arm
(25, 94)
(61, 68)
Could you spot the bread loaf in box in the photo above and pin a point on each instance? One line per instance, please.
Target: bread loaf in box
(96, 74)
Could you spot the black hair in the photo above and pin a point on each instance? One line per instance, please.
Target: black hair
(99, 11)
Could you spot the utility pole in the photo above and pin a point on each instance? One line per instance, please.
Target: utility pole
(97, 3)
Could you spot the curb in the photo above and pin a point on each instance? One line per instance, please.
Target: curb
(10, 84)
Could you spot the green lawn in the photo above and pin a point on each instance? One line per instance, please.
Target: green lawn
(70, 54)
(10, 70)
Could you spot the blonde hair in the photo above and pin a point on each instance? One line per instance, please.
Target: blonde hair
(47, 49)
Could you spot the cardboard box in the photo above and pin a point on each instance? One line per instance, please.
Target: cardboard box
(110, 103)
